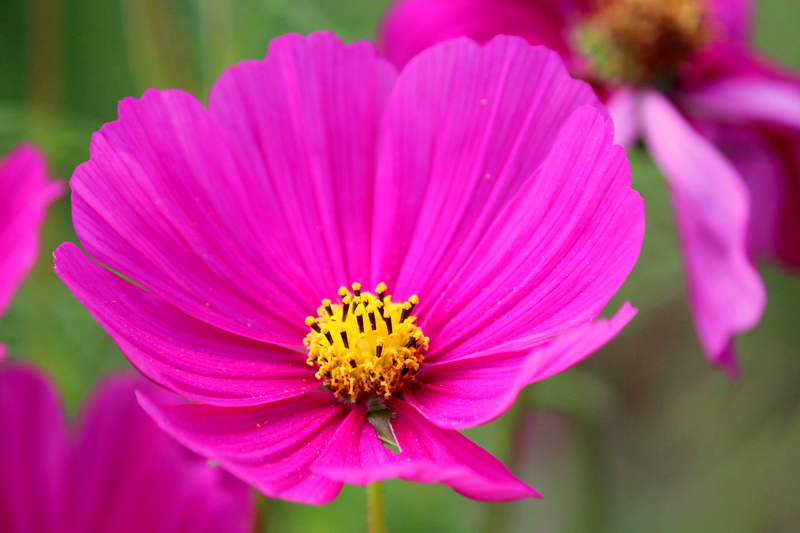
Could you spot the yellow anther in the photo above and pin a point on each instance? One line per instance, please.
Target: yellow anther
(358, 362)
(380, 290)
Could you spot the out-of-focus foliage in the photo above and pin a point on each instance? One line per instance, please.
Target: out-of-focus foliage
(644, 436)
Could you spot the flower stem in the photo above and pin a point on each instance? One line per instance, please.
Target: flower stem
(376, 509)
(261, 522)
(44, 63)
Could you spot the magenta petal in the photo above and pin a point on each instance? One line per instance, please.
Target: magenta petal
(466, 130)
(712, 209)
(131, 477)
(271, 446)
(750, 108)
(476, 389)
(172, 348)
(770, 162)
(25, 192)
(162, 201)
(34, 454)
(733, 18)
(759, 100)
(552, 258)
(411, 26)
(428, 455)
(305, 124)
(624, 110)
(465, 127)
(762, 167)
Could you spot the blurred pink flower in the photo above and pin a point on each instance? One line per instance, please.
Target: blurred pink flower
(25, 192)
(721, 122)
(481, 185)
(122, 474)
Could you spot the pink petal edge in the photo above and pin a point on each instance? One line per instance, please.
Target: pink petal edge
(178, 351)
(271, 446)
(477, 389)
(428, 454)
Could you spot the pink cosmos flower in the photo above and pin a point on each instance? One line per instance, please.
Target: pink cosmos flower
(331, 254)
(722, 123)
(122, 474)
(25, 192)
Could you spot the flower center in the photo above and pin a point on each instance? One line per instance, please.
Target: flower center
(640, 41)
(367, 345)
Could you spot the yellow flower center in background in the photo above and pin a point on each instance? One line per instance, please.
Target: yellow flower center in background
(639, 41)
(367, 345)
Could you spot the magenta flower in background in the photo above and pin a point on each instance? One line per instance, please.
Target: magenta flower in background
(121, 474)
(721, 122)
(330, 255)
(25, 192)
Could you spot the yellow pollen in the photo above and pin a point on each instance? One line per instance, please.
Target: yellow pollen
(639, 41)
(365, 346)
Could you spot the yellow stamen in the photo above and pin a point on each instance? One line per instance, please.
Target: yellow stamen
(361, 355)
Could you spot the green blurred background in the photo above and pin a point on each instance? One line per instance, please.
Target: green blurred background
(642, 437)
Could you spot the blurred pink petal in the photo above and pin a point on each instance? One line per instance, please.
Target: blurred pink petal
(733, 19)
(410, 26)
(712, 210)
(483, 180)
(623, 106)
(34, 454)
(762, 166)
(122, 475)
(748, 100)
(26, 191)
(752, 113)
(130, 477)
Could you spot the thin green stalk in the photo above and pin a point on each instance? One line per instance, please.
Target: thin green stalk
(44, 67)
(261, 522)
(376, 508)
(594, 516)
(497, 516)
